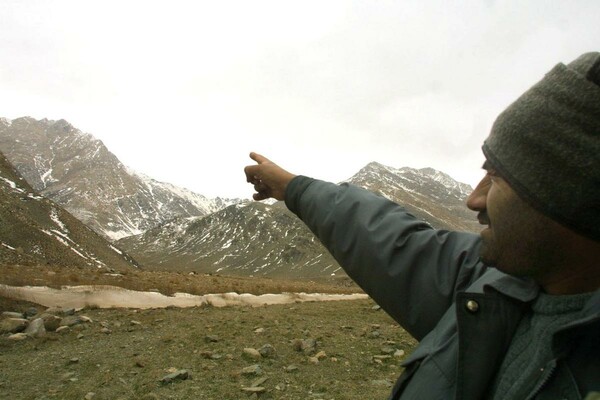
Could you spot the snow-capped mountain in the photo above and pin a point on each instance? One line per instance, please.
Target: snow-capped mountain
(261, 239)
(428, 194)
(166, 227)
(37, 231)
(245, 239)
(78, 172)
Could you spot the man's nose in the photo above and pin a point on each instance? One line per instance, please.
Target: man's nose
(478, 197)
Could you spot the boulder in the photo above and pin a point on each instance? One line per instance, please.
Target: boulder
(10, 314)
(36, 328)
(51, 322)
(175, 376)
(13, 325)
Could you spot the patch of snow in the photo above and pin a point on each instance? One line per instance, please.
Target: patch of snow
(45, 176)
(111, 297)
(115, 249)
(7, 246)
(57, 221)
(12, 184)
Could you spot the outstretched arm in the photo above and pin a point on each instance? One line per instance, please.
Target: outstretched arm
(269, 179)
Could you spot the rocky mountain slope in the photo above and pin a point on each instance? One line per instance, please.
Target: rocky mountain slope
(246, 239)
(78, 172)
(268, 240)
(36, 231)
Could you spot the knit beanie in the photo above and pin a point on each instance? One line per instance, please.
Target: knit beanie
(546, 145)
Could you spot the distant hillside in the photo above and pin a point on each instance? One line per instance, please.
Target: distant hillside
(78, 172)
(36, 231)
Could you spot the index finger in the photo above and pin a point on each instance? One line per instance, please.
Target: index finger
(259, 158)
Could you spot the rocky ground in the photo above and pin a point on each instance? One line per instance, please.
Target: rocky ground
(326, 350)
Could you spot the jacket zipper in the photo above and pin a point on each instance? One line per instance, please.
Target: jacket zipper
(548, 374)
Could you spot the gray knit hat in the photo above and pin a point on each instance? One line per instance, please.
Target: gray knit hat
(547, 145)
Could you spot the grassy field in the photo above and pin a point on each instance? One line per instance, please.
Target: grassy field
(124, 354)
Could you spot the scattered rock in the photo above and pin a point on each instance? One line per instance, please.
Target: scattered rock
(259, 382)
(254, 389)
(10, 314)
(90, 396)
(374, 334)
(251, 353)
(71, 320)
(267, 351)
(13, 325)
(210, 355)
(252, 370)
(320, 355)
(68, 376)
(106, 331)
(291, 368)
(134, 322)
(36, 328)
(376, 307)
(60, 311)
(74, 360)
(306, 346)
(211, 338)
(388, 350)
(259, 330)
(63, 329)
(51, 321)
(80, 336)
(18, 336)
(31, 312)
(179, 375)
(399, 353)
(313, 360)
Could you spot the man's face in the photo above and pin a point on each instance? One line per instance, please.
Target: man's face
(518, 240)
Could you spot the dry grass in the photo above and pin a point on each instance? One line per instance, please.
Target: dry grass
(129, 361)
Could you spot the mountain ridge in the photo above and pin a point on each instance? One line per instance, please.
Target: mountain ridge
(78, 172)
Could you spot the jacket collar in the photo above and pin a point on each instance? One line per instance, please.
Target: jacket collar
(521, 289)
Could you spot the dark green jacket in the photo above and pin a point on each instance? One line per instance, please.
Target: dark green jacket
(463, 313)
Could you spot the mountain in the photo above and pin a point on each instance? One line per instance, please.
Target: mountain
(428, 194)
(36, 231)
(268, 240)
(244, 239)
(78, 172)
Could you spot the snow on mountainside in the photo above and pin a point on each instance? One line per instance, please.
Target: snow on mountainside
(36, 231)
(78, 172)
(202, 203)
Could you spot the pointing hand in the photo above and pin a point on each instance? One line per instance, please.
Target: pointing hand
(268, 178)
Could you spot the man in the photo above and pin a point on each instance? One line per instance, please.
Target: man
(512, 313)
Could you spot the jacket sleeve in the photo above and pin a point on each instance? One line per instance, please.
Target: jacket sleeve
(411, 270)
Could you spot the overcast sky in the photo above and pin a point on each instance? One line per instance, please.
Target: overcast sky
(183, 90)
